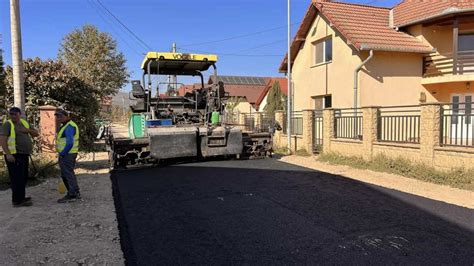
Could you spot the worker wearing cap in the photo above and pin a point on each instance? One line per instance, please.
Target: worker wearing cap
(16, 141)
(67, 146)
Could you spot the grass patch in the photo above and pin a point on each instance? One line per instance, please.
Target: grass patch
(459, 178)
(303, 153)
(39, 170)
(280, 150)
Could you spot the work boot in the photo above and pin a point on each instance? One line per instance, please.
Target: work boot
(67, 199)
(24, 203)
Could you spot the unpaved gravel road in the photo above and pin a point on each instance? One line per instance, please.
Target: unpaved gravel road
(63, 234)
(460, 197)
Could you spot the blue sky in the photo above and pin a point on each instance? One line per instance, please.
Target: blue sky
(159, 23)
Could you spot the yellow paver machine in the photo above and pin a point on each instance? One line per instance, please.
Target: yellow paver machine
(191, 126)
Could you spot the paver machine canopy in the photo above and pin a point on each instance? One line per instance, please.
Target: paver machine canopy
(186, 108)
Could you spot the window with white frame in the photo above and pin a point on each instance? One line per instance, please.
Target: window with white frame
(323, 51)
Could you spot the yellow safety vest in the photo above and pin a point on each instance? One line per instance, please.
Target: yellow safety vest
(12, 138)
(61, 142)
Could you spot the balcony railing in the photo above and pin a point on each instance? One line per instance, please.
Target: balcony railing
(446, 64)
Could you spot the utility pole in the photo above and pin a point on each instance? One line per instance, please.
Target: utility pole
(290, 92)
(17, 57)
(175, 79)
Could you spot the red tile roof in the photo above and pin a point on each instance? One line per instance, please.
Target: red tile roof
(250, 92)
(283, 87)
(413, 11)
(365, 27)
(188, 88)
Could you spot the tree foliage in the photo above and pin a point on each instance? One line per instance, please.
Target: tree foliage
(92, 56)
(51, 83)
(2, 75)
(275, 99)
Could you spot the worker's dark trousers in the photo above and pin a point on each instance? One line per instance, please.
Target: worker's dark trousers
(67, 164)
(18, 172)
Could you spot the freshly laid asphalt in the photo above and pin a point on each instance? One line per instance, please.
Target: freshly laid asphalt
(268, 212)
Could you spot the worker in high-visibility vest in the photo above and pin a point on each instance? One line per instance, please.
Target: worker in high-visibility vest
(16, 141)
(67, 146)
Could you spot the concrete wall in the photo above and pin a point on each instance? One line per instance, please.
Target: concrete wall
(244, 107)
(443, 91)
(396, 74)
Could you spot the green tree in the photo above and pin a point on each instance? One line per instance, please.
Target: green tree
(3, 88)
(2, 75)
(92, 56)
(52, 83)
(275, 99)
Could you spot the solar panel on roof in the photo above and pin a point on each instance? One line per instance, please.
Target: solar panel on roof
(242, 80)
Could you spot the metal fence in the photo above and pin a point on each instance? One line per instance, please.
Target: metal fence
(249, 122)
(267, 121)
(457, 125)
(399, 124)
(317, 131)
(348, 124)
(296, 123)
(231, 117)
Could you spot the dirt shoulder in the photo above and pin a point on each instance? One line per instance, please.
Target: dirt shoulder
(443, 193)
(50, 233)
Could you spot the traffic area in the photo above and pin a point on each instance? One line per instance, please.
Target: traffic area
(269, 212)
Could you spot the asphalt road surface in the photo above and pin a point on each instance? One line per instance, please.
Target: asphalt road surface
(268, 212)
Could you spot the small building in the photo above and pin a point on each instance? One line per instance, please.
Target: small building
(263, 98)
(244, 88)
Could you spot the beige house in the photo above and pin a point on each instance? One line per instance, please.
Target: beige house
(348, 55)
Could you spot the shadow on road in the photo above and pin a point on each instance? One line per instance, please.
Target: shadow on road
(267, 212)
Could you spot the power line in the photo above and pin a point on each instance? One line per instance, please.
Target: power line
(239, 36)
(125, 26)
(98, 10)
(230, 54)
(237, 53)
(261, 46)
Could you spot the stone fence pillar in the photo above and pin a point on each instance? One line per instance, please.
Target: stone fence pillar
(430, 127)
(328, 129)
(308, 125)
(277, 138)
(369, 130)
(47, 129)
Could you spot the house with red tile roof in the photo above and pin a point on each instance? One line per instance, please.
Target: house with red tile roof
(351, 55)
(262, 99)
(246, 89)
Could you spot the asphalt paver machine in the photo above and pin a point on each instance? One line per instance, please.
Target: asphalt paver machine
(165, 128)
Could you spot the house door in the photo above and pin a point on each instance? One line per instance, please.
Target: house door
(462, 119)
